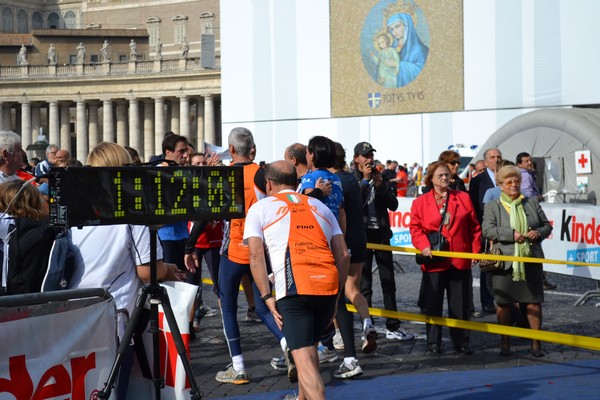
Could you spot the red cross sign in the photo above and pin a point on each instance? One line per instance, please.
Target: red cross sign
(583, 162)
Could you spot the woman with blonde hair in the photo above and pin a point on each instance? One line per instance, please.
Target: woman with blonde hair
(517, 225)
(26, 235)
(115, 257)
(107, 154)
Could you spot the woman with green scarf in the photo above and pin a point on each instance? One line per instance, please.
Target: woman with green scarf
(517, 225)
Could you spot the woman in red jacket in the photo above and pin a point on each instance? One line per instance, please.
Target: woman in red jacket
(450, 275)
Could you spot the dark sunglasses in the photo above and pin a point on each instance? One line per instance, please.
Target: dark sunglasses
(454, 162)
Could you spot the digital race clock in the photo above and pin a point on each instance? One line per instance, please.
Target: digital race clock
(83, 196)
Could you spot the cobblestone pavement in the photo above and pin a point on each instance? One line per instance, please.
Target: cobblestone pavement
(209, 352)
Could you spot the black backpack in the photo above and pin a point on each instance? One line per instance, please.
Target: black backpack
(29, 245)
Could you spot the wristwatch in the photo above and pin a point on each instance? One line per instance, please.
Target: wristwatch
(266, 297)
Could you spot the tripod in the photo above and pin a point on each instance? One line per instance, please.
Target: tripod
(157, 295)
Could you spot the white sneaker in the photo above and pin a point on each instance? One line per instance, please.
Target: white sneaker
(399, 334)
(338, 343)
(346, 371)
(279, 363)
(208, 311)
(232, 376)
(326, 355)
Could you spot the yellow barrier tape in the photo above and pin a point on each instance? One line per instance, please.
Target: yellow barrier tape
(479, 256)
(584, 342)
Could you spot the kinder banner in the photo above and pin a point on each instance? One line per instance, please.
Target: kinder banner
(177, 387)
(575, 237)
(49, 353)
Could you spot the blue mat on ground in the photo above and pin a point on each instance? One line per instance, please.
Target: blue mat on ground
(574, 380)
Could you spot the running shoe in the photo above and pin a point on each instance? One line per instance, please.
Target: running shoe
(346, 371)
(399, 334)
(369, 343)
(338, 343)
(326, 355)
(232, 376)
(291, 366)
(279, 364)
(252, 316)
(208, 311)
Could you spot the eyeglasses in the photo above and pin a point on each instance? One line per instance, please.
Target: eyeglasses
(511, 183)
(454, 162)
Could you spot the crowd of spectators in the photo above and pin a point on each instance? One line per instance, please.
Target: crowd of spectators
(358, 195)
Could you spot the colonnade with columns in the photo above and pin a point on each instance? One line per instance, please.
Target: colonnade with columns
(136, 122)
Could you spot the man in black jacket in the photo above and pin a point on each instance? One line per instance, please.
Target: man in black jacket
(377, 199)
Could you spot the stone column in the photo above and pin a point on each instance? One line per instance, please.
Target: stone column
(65, 128)
(200, 124)
(209, 119)
(108, 131)
(18, 120)
(175, 116)
(122, 123)
(149, 149)
(184, 116)
(159, 123)
(35, 122)
(94, 132)
(6, 117)
(135, 136)
(25, 124)
(81, 132)
(53, 123)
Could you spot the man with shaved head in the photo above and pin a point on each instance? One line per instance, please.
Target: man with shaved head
(309, 259)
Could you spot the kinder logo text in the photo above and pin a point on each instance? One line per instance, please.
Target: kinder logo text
(579, 232)
(399, 219)
(58, 381)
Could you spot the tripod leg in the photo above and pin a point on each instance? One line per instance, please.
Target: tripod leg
(181, 350)
(124, 345)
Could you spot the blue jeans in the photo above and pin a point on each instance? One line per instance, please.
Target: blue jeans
(230, 277)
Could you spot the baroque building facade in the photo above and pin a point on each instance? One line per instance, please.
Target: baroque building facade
(81, 72)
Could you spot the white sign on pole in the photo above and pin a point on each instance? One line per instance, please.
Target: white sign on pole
(583, 162)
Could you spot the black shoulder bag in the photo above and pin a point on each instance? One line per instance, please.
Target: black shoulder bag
(437, 241)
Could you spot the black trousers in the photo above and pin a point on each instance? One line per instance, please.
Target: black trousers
(385, 264)
(455, 283)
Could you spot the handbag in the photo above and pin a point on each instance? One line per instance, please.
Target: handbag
(437, 241)
(491, 265)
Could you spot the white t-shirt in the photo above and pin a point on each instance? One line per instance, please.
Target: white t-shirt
(108, 256)
(267, 220)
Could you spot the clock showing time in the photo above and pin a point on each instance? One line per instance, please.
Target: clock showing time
(84, 196)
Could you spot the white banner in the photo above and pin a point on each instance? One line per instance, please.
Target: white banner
(181, 296)
(575, 237)
(56, 353)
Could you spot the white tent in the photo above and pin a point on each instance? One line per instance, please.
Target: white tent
(554, 135)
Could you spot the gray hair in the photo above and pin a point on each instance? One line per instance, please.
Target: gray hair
(50, 148)
(242, 141)
(8, 141)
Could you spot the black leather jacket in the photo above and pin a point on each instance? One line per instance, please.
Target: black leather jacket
(384, 199)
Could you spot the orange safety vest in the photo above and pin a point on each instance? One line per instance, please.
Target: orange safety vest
(309, 263)
(234, 248)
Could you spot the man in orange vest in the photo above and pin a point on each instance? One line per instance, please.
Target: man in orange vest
(310, 261)
(235, 260)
